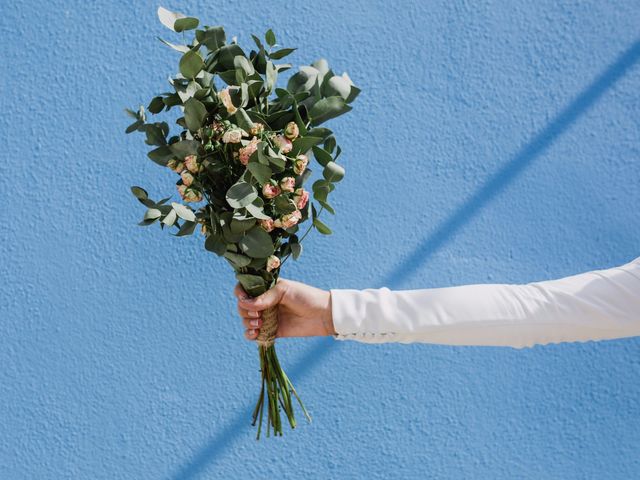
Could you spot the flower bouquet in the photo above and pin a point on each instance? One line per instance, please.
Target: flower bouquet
(242, 160)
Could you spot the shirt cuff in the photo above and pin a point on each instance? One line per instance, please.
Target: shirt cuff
(356, 315)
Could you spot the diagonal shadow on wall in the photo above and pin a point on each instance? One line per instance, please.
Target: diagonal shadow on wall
(493, 187)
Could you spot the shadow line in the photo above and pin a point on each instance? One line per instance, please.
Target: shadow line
(495, 185)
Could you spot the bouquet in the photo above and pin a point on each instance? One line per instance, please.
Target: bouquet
(242, 159)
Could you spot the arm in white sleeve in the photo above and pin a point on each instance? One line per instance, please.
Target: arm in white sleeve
(596, 305)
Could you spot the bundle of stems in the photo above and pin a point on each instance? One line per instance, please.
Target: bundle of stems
(275, 382)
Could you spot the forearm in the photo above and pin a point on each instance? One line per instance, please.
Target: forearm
(595, 305)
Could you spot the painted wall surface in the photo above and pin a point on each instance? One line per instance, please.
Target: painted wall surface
(494, 141)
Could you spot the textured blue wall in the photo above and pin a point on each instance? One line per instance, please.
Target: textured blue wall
(494, 141)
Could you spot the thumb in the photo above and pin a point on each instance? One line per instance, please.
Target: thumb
(268, 299)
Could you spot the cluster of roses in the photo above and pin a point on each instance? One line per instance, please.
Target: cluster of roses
(227, 133)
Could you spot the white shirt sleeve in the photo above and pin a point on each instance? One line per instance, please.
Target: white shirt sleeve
(596, 305)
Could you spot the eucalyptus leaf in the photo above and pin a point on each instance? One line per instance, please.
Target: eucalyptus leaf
(270, 37)
(186, 23)
(139, 192)
(194, 113)
(239, 261)
(254, 285)
(213, 37)
(327, 108)
(256, 243)
(241, 194)
(261, 172)
(296, 250)
(184, 212)
(187, 228)
(322, 156)
(190, 64)
(168, 18)
(161, 155)
(215, 244)
(333, 172)
(321, 227)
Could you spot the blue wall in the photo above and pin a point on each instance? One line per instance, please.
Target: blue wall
(493, 142)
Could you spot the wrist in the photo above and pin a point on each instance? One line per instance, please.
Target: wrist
(326, 317)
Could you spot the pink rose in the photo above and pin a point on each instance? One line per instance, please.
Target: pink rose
(283, 143)
(189, 194)
(225, 98)
(301, 197)
(267, 224)
(246, 152)
(187, 178)
(175, 165)
(288, 220)
(291, 131)
(269, 190)
(191, 162)
(233, 136)
(273, 262)
(288, 184)
(300, 163)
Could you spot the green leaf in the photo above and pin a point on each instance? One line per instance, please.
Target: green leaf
(156, 105)
(134, 126)
(168, 18)
(243, 120)
(155, 135)
(187, 228)
(213, 37)
(240, 61)
(186, 23)
(255, 208)
(272, 76)
(322, 156)
(161, 155)
(254, 285)
(152, 214)
(184, 212)
(333, 172)
(270, 37)
(260, 171)
(170, 218)
(296, 250)
(215, 244)
(327, 207)
(327, 108)
(241, 194)
(321, 132)
(185, 147)
(179, 48)
(194, 114)
(321, 227)
(238, 261)
(304, 144)
(256, 243)
(284, 205)
(241, 226)
(139, 193)
(278, 54)
(226, 55)
(190, 64)
(321, 190)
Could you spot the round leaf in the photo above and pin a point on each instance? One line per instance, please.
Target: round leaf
(190, 64)
(333, 172)
(241, 194)
(256, 243)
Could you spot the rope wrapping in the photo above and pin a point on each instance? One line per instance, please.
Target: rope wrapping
(269, 328)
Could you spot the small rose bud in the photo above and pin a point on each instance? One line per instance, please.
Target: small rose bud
(191, 162)
(181, 190)
(273, 262)
(269, 190)
(291, 131)
(225, 98)
(300, 163)
(267, 224)
(257, 128)
(288, 184)
(233, 136)
(290, 219)
(301, 197)
(187, 178)
(246, 152)
(283, 143)
(192, 195)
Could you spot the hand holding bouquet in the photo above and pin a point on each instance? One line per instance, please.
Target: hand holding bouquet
(242, 160)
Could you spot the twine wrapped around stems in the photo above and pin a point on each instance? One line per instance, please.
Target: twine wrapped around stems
(269, 327)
